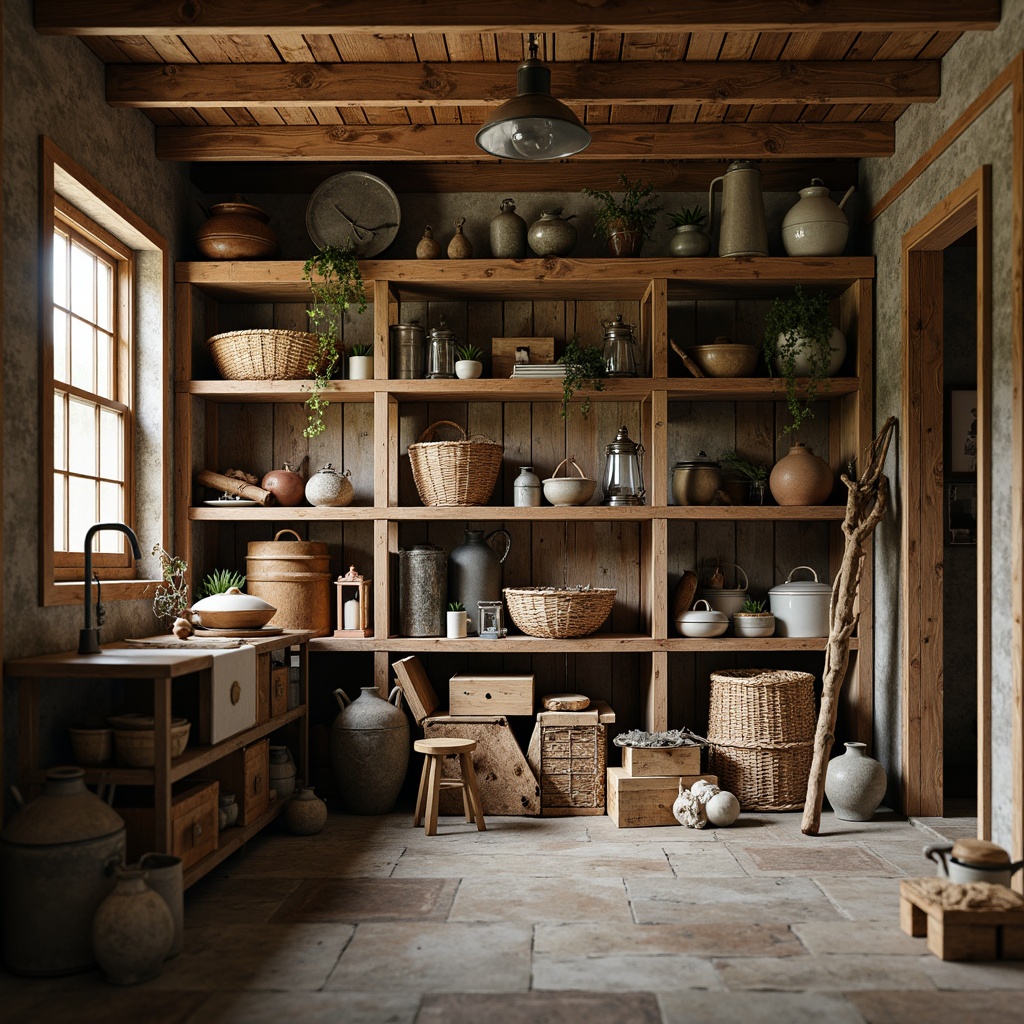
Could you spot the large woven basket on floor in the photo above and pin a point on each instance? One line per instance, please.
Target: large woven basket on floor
(263, 354)
(761, 736)
(459, 472)
(558, 614)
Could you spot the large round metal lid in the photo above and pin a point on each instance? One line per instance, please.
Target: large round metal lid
(65, 813)
(792, 586)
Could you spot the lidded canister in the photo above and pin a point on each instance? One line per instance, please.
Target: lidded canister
(408, 353)
(441, 352)
(526, 488)
(329, 487)
(422, 590)
(58, 855)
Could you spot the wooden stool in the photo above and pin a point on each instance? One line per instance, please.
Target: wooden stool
(431, 782)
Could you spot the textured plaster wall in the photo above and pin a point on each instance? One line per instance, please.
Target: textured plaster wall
(967, 70)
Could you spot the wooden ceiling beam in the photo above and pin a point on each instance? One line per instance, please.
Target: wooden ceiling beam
(702, 141)
(480, 83)
(269, 17)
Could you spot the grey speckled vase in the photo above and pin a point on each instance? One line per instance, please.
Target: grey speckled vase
(370, 750)
(854, 784)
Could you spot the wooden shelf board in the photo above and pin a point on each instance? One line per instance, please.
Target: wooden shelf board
(727, 644)
(755, 513)
(230, 841)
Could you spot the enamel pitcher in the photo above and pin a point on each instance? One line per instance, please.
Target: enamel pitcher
(742, 230)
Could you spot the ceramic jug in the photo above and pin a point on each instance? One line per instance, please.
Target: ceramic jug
(508, 233)
(474, 573)
(815, 225)
(854, 784)
(742, 229)
(552, 235)
(973, 860)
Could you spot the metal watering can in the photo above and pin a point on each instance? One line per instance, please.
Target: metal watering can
(742, 230)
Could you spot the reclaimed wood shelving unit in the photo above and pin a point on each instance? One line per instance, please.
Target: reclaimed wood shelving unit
(651, 677)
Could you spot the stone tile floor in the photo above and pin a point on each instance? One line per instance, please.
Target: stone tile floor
(554, 921)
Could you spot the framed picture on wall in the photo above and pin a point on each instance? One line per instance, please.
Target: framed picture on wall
(963, 432)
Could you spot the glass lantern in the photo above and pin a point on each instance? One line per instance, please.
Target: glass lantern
(492, 620)
(623, 471)
(353, 593)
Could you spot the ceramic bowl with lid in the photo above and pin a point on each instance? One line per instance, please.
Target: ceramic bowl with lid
(702, 622)
(801, 607)
(697, 481)
(233, 610)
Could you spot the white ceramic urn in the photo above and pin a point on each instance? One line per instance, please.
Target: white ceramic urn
(816, 225)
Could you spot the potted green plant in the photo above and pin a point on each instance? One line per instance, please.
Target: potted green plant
(468, 366)
(584, 368)
(800, 341)
(625, 218)
(456, 620)
(219, 581)
(336, 283)
(360, 362)
(690, 238)
(756, 477)
(752, 620)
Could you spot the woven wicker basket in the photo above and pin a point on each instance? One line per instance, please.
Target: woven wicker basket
(263, 354)
(461, 472)
(558, 614)
(761, 736)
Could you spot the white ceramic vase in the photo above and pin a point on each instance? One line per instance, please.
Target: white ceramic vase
(854, 784)
(468, 369)
(456, 623)
(360, 367)
(802, 364)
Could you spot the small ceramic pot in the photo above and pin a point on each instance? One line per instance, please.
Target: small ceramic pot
(236, 231)
(329, 487)
(753, 624)
(468, 369)
(696, 482)
(801, 607)
(428, 247)
(360, 367)
(552, 235)
(233, 610)
(306, 813)
(855, 784)
(456, 623)
(625, 243)
(729, 599)
(801, 478)
(689, 240)
(287, 487)
(702, 622)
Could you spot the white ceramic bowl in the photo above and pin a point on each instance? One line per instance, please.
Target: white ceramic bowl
(753, 624)
(569, 490)
(233, 610)
(704, 622)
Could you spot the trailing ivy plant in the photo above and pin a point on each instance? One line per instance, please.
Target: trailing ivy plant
(799, 326)
(584, 368)
(171, 599)
(337, 283)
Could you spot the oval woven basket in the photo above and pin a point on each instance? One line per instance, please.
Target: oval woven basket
(558, 614)
(761, 736)
(263, 354)
(460, 472)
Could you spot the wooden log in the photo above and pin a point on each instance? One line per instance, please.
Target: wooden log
(232, 485)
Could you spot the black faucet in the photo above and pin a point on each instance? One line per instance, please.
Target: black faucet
(89, 637)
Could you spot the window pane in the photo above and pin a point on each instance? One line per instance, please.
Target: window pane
(60, 430)
(104, 312)
(81, 437)
(111, 511)
(60, 346)
(59, 503)
(60, 269)
(83, 282)
(83, 366)
(104, 365)
(81, 511)
(110, 444)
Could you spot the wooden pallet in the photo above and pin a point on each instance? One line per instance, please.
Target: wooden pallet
(984, 932)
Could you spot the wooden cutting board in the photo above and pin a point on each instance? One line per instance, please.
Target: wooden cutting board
(251, 631)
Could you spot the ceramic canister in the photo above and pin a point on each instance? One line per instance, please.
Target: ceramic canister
(801, 478)
(801, 607)
(329, 487)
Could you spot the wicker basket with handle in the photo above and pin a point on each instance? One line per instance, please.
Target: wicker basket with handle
(263, 354)
(460, 472)
(761, 736)
(558, 614)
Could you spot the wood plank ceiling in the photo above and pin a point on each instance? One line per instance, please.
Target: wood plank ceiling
(273, 95)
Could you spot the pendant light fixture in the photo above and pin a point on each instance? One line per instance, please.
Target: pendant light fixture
(534, 125)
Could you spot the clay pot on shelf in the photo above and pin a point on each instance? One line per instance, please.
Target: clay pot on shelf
(460, 247)
(689, 240)
(236, 231)
(428, 247)
(329, 487)
(815, 225)
(801, 478)
(552, 235)
(287, 487)
(625, 242)
(508, 233)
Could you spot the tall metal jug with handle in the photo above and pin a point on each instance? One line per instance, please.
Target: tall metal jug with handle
(742, 230)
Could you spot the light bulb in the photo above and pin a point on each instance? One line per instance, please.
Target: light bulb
(532, 137)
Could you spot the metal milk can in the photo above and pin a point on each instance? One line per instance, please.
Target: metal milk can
(742, 230)
(408, 351)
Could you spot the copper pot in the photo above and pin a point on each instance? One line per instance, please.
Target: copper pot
(236, 231)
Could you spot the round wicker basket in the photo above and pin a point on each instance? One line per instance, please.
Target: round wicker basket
(558, 614)
(263, 354)
(135, 744)
(460, 472)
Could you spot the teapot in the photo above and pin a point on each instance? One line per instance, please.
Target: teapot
(743, 231)
(815, 225)
(973, 860)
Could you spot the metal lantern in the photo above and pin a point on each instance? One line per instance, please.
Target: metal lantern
(353, 605)
(492, 620)
(623, 471)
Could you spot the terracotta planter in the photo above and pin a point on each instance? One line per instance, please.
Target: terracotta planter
(801, 478)
(625, 243)
(236, 231)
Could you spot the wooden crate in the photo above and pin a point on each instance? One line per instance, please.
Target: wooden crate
(474, 694)
(568, 753)
(663, 761)
(194, 832)
(246, 773)
(506, 782)
(645, 801)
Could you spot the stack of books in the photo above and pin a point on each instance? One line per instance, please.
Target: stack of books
(523, 370)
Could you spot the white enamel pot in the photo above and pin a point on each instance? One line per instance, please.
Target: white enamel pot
(801, 607)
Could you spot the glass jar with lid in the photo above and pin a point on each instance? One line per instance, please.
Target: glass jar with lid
(441, 352)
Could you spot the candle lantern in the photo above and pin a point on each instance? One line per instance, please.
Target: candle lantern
(353, 605)
(492, 620)
(623, 471)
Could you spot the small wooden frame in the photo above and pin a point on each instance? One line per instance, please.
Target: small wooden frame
(503, 353)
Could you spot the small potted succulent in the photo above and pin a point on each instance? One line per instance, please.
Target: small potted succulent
(468, 366)
(752, 620)
(360, 362)
(456, 620)
(690, 238)
(625, 222)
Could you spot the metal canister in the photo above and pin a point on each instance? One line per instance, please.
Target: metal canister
(408, 355)
(422, 590)
(441, 352)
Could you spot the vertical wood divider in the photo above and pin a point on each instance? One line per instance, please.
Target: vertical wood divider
(654, 324)
(655, 696)
(384, 314)
(183, 313)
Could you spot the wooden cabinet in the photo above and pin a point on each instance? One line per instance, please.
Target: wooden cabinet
(636, 663)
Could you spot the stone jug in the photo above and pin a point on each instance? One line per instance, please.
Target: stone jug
(306, 813)
(370, 750)
(508, 233)
(742, 230)
(474, 573)
(165, 876)
(815, 225)
(57, 855)
(854, 784)
(552, 235)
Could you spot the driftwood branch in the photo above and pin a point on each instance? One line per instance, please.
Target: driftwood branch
(234, 485)
(866, 503)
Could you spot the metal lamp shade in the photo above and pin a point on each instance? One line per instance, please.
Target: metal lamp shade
(533, 125)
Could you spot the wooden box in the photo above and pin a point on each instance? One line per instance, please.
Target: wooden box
(643, 761)
(568, 753)
(278, 690)
(646, 800)
(473, 694)
(416, 688)
(246, 773)
(506, 783)
(194, 832)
